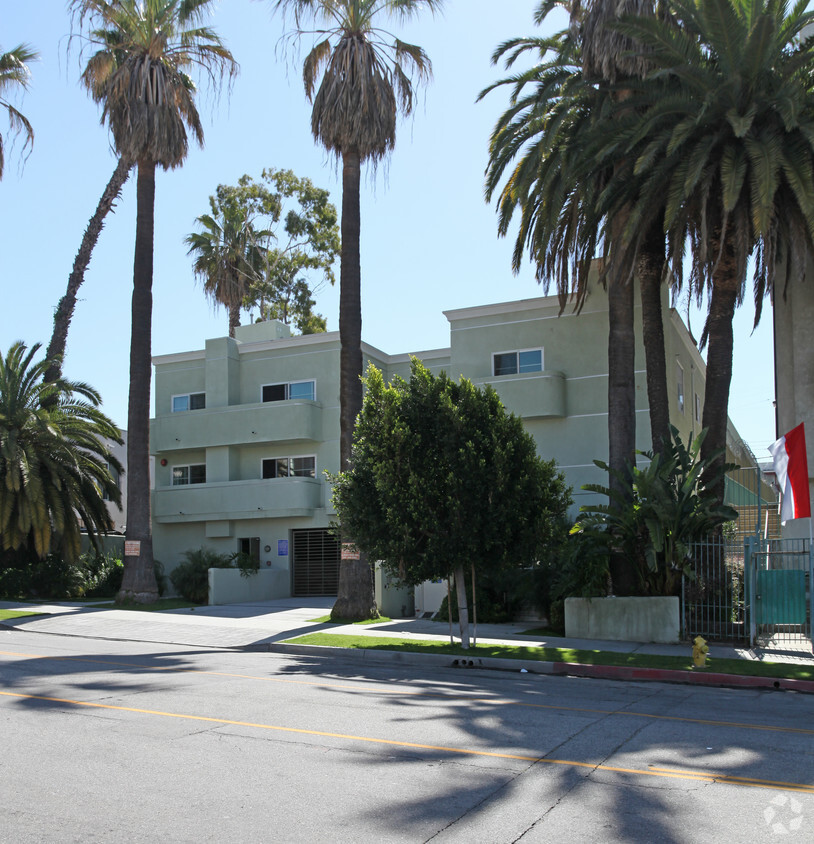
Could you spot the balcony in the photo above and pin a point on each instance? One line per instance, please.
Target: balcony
(255, 499)
(530, 395)
(273, 422)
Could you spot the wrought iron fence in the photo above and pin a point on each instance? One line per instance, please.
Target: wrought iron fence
(712, 596)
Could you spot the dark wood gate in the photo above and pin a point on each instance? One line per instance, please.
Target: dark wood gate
(315, 557)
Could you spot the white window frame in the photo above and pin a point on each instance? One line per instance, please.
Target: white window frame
(517, 353)
(698, 413)
(288, 385)
(289, 457)
(680, 391)
(188, 397)
(188, 482)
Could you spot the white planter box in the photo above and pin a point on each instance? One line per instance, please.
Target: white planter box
(227, 586)
(623, 619)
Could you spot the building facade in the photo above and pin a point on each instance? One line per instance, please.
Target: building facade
(245, 428)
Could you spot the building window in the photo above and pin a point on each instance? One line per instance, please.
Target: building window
(250, 546)
(290, 467)
(680, 386)
(512, 363)
(290, 390)
(193, 474)
(697, 408)
(116, 479)
(188, 401)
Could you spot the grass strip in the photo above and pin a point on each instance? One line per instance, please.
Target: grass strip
(6, 614)
(742, 667)
(326, 619)
(157, 606)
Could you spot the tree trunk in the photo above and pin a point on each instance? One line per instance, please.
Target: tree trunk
(65, 308)
(463, 609)
(650, 266)
(621, 407)
(356, 599)
(234, 319)
(720, 344)
(139, 583)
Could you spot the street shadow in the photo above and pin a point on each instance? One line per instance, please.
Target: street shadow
(544, 738)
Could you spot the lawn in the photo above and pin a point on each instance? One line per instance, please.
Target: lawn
(5, 614)
(743, 667)
(158, 606)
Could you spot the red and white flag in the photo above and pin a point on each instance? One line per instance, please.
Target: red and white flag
(791, 468)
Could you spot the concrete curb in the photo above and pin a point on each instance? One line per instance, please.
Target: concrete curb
(570, 669)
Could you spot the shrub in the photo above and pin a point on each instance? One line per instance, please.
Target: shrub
(103, 574)
(190, 579)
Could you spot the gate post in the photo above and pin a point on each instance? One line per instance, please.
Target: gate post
(750, 580)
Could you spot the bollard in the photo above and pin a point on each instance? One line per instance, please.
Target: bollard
(699, 652)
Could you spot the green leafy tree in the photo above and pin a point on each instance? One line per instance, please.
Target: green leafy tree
(53, 461)
(674, 505)
(141, 51)
(14, 76)
(443, 478)
(365, 82)
(286, 240)
(721, 137)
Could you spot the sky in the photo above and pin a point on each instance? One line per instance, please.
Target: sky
(429, 240)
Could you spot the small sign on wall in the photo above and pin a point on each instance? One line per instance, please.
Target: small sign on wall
(282, 547)
(132, 548)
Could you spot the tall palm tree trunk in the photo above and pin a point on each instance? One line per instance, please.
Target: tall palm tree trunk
(350, 306)
(621, 412)
(139, 583)
(356, 598)
(234, 319)
(650, 264)
(720, 345)
(65, 308)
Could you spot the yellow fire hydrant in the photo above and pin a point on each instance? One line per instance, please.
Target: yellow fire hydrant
(699, 652)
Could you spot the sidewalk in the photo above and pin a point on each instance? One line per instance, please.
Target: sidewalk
(264, 625)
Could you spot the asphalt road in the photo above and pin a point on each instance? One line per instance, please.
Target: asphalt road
(124, 742)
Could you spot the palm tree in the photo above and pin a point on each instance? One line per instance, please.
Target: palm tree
(14, 75)
(724, 132)
(53, 460)
(226, 254)
(365, 83)
(559, 186)
(67, 304)
(138, 72)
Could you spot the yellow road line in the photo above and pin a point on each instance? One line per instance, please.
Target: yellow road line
(428, 695)
(662, 773)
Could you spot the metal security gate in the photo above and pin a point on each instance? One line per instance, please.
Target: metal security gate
(315, 558)
(778, 584)
(712, 596)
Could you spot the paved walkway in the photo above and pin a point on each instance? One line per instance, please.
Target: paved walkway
(263, 625)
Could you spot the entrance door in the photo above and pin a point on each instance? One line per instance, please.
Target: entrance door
(315, 559)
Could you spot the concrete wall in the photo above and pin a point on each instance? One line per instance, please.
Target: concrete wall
(623, 619)
(228, 586)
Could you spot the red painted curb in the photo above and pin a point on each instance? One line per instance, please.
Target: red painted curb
(667, 675)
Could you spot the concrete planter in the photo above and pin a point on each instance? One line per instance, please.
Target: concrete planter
(227, 586)
(623, 619)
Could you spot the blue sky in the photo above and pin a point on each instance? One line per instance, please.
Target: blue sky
(429, 241)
